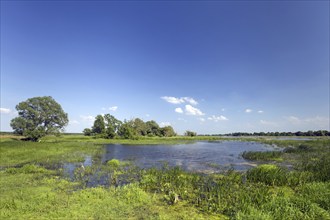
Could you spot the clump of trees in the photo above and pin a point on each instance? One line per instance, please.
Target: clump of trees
(107, 126)
(190, 134)
(38, 117)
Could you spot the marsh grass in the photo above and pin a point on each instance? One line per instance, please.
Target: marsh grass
(265, 194)
(15, 152)
(41, 196)
(31, 188)
(263, 155)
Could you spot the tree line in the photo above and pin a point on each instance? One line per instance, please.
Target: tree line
(107, 126)
(298, 133)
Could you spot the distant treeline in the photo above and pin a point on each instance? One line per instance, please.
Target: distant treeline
(298, 133)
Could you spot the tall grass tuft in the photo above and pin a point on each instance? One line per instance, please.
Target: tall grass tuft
(262, 155)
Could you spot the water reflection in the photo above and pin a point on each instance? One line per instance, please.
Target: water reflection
(192, 157)
(203, 157)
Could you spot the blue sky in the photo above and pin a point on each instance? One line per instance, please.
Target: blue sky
(207, 66)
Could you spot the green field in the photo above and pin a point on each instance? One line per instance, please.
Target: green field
(32, 187)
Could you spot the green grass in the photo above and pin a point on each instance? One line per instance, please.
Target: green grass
(36, 193)
(15, 152)
(263, 155)
(30, 189)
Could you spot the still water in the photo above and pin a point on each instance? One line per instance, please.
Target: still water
(199, 156)
(202, 157)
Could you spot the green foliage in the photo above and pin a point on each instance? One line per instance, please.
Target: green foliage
(99, 125)
(167, 131)
(298, 149)
(28, 168)
(87, 132)
(268, 174)
(262, 155)
(317, 192)
(38, 117)
(114, 163)
(126, 131)
(139, 126)
(112, 125)
(36, 196)
(190, 134)
(51, 150)
(29, 189)
(109, 127)
(319, 165)
(152, 128)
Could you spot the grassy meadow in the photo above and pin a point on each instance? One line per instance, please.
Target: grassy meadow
(32, 184)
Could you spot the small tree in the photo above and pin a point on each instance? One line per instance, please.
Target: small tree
(87, 132)
(112, 125)
(39, 116)
(153, 128)
(168, 131)
(99, 125)
(190, 133)
(126, 131)
(139, 126)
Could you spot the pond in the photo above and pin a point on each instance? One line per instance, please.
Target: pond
(199, 156)
(205, 157)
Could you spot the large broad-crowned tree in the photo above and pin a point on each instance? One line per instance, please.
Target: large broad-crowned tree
(38, 117)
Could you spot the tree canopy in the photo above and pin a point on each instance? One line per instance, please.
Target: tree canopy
(190, 133)
(39, 116)
(108, 126)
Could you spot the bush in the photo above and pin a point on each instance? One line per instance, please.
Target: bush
(114, 163)
(262, 155)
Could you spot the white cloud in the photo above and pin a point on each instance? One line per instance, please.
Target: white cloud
(248, 110)
(192, 110)
(190, 100)
(217, 118)
(179, 110)
(74, 122)
(173, 100)
(5, 110)
(181, 119)
(321, 122)
(268, 123)
(103, 109)
(294, 120)
(260, 111)
(181, 100)
(87, 118)
(113, 108)
(163, 124)
(223, 109)
(201, 119)
(317, 120)
(147, 115)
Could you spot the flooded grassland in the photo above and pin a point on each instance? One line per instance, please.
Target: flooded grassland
(83, 178)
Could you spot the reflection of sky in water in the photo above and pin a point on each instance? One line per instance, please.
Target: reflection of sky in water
(88, 161)
(193, 157)
(205, 157)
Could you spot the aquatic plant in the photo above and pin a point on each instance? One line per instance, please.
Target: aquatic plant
(31, 188)
(262, 155)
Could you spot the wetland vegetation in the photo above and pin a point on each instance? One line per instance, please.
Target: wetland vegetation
(293, 183)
